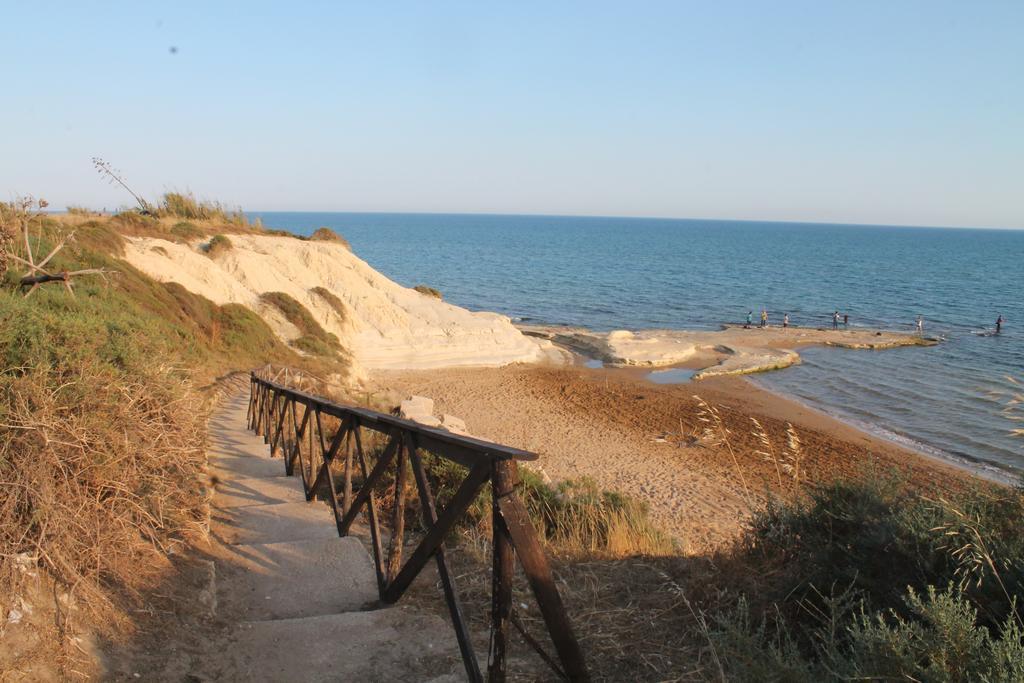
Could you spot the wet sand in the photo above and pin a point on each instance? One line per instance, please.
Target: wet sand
(648, 440)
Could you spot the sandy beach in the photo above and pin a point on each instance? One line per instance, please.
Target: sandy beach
(646, 439)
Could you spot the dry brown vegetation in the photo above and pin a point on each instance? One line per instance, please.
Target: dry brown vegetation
(428, 291)
(102, 431)
(328, 235)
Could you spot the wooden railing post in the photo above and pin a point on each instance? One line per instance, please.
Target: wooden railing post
(502, 484)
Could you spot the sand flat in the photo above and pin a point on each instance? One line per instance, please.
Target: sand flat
(733, 350)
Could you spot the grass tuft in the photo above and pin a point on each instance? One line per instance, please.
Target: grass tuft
(428, 291)
(187, 207)
(218, 246)
(328, 235)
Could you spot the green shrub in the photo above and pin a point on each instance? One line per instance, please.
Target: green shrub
(842, 586)
(940, 641)
(574, 517)
(218, 245)
(428, 291)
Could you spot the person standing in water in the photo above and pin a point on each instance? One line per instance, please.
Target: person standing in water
(835, 320)
(920, 325)
(785, 320)
(846, 319)
(764, 318)
(999, 323)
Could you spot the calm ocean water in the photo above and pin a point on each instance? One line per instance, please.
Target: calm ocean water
(612, 273)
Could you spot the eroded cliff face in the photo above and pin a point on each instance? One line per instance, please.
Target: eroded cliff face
(382, 324)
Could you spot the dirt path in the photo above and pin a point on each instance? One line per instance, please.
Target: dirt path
(293, 601)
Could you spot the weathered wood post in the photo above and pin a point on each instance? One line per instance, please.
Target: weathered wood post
(503, 477)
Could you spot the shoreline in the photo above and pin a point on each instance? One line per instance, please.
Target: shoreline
(982, 469)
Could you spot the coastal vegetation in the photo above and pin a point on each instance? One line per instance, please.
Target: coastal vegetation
(332, 300)
(313, 338)
(185, 206)
(218, 245)
(428, 291)
(103, 400)
(328, 235)
(860, 580)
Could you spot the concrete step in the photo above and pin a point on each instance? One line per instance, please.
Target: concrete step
(275, 523)
(299, 579)
(391, 644)
(234, 439)
(245, 466)
(232, 493)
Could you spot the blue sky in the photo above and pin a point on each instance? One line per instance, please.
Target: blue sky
(875, 112)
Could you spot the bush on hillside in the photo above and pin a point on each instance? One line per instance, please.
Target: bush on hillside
(428, 291)
(218, 245)
(574, 517)
(864, 580)
(313, 339)
(336, 304)
(328, 235)
(186, 231)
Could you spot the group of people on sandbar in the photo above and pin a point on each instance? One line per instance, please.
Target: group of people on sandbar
(845, 318)
(785, 320)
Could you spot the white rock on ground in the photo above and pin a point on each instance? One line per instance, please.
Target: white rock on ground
(384, 325)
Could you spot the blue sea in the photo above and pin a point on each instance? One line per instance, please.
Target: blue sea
(631, 273)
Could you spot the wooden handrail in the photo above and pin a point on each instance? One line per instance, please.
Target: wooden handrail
(303, 441)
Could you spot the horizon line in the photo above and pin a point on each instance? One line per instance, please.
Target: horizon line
(651, 218)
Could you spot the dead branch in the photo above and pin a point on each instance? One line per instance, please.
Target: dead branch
(36, 275)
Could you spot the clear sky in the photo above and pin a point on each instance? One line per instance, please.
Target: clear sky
(877, 112)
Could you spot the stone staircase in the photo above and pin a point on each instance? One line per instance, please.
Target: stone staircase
(303, 602)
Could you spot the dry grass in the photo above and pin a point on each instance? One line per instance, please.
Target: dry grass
(428, 291)
(102, 475)
(328, 235)
(184, 206)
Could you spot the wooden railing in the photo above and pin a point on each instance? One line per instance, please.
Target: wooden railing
(292, 423)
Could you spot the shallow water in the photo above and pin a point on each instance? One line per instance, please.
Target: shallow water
(610, 273)
(671, 376)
